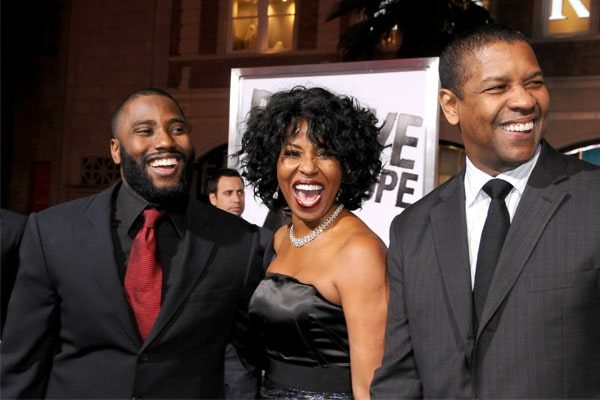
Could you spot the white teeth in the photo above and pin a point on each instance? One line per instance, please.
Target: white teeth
(163, 162)
(521, 127)
(308, 187)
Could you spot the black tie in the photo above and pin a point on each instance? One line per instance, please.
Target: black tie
(492, 238)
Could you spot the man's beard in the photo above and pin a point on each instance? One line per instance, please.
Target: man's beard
(139, 181)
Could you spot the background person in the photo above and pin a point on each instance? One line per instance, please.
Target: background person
(534, 332)
(226, 191)
(320, 311)
(83, 321)
(12, 225)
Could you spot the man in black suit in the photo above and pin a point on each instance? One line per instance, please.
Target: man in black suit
(71, 332)
(12, 226)
(535, 332)
(226, 192)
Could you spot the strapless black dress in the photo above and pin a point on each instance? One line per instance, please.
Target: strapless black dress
(305, 338)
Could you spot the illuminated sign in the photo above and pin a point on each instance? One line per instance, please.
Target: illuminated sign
(567, 17)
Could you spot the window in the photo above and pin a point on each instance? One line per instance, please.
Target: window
(262, 25)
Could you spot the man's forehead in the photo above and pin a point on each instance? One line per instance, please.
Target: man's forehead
(229, 181)
(486, 59)
(148, 109)
(150, 103)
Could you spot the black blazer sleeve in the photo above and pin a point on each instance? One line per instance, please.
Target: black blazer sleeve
(28, 343)
(398, 376)
(243, 339)
(12, 226)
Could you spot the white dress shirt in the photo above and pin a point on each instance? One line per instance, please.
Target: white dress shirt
(477, 201)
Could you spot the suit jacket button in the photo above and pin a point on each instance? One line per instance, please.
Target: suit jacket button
(144, 357)
(136, 397)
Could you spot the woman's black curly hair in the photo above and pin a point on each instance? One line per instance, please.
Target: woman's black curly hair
(338, 124)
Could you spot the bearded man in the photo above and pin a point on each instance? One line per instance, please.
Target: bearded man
(133, 292)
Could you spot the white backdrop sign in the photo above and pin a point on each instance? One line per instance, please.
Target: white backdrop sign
(403, 96)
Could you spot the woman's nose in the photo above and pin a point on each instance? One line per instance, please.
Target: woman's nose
(308, 166)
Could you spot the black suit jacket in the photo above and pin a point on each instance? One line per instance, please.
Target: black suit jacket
(538, 336)
(241, 378)
(70, 332)
(12, 226)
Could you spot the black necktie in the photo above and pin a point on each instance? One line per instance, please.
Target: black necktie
(492, 238)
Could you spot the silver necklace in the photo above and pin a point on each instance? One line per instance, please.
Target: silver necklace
(303, 241)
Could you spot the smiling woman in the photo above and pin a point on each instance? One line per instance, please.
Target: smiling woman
(320, 311)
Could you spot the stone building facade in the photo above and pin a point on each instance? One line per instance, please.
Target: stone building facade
(59, 129)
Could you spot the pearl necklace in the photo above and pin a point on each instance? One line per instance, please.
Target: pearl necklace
(300, 242)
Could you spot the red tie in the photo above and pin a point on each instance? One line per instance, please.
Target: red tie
(143, 279)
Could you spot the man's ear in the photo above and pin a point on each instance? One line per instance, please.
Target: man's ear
(115, 150)
(213, 199)
(449, 103)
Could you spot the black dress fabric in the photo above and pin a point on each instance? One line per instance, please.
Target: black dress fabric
(305, 338)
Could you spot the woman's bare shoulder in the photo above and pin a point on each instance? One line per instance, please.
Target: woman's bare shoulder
(357, 238)
(359, 251)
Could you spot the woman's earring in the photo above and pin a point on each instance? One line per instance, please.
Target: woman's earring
(337, 196)
(276, 194)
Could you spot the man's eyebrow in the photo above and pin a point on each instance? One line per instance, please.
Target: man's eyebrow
(503, 78)
(178, 120)
(535, 74)
(144, 122)
(496, 78)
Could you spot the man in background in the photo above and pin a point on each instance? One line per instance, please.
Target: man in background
(226, 191)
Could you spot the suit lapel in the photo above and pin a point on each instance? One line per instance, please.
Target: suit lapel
(95, 239)
(539, 202)
(186, 268)
(448, 223)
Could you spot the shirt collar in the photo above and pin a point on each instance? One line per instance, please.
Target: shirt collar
(475, 178)
(129, 206)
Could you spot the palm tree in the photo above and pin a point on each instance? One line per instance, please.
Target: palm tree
(419, 28)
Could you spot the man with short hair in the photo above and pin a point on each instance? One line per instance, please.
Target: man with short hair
(133, 292)
(226, 191)
(494, 276)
